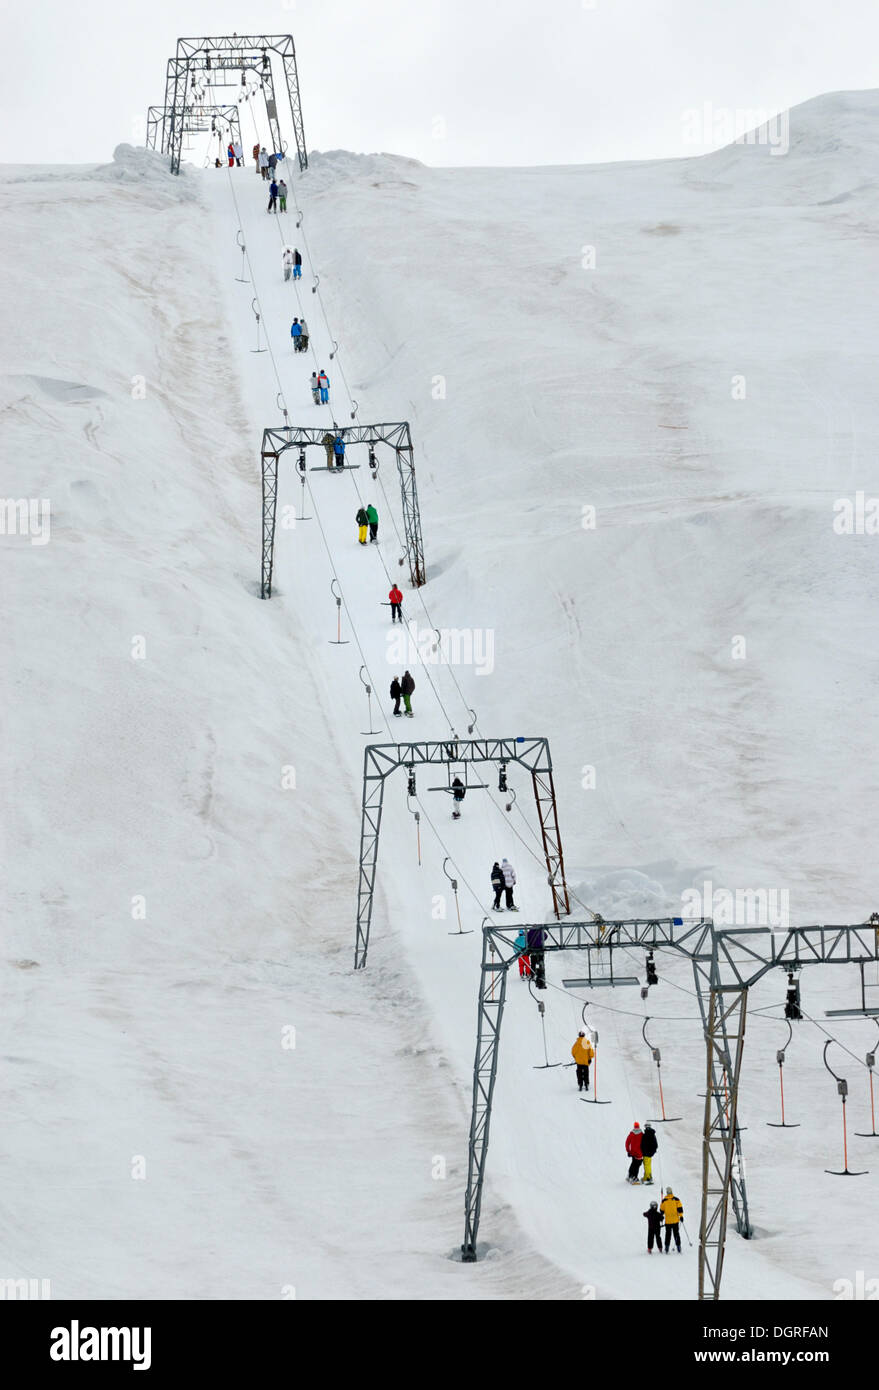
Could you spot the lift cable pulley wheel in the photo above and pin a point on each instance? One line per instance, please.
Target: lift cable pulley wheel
(657, 1057)
(842, 1091)
(368, 688)
(779, 1057)
(454, 883)
(337, 641)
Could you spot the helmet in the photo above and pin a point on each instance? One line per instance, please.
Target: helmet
(654, 1205)
(668, 1192)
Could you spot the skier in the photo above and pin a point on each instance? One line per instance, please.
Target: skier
(327, 441)
(497, 883)
(230, 152)
(239, 154)
(362, 523)
(315, 396)
(304, 340)
(396, 598)
(673, 1212)
(521, 944)
(535, 938)
(287, 261)
(273, 164)
(282, 195)
(509, 874)
(583, 1054)
(297, 264)
(633, 1149)
(654, 1227)
(339, 452)
(323, 380)
(373, 522)
(459, 791)
(649, 1145)
(263, 162)
(256, 157)
(407, 685)
(396, 694)
(273, 197)
(296, 334)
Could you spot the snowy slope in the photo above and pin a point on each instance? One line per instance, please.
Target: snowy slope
(161, 776)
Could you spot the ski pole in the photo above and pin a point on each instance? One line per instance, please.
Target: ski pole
(687, 1233)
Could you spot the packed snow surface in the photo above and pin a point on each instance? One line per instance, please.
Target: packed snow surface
(636, 393)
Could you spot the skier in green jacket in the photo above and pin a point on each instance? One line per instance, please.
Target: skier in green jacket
(372, 516)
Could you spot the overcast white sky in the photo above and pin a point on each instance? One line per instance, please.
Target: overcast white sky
(560, 82)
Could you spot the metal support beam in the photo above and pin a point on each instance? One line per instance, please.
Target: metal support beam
(411, 515)
(492, 994)
(269, 509)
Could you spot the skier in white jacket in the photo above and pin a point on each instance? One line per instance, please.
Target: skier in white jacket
(288, 263)
(509, 874)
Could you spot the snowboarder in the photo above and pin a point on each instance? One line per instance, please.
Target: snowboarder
(509, 874)
(239, 155)
(297, 267)
(396, 598)
(373, 522)
(583, 1054)
(323, 380)
(407, 685)
(521, 944)
(273, 197)
(673, 1212)
(649, 1145)
(327, 440)
(497, 883)
(296, 334)
(263, 162)
(230, 152)
(304, 339)
(396, 695)
(362, 523)
(256, 158)
(282, 195)
(339, 451)
(633, 1149)
(459, 791)
(654, 1227)
(287, 261)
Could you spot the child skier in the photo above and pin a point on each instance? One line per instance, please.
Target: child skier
(287, 260)
(649, 1145)
(509, 874)
(396, 695)
(654, 1227)
(323, 380)
(633, 1149)
(521, 944)
(497, 883)
(296, 334)
(373, 522)
(583, 1054)
(297, 264)
(273, 197)
(459, 791)
(303, 341)
(673, 1212)
(339, 453)
(362, 524)
(282, 196)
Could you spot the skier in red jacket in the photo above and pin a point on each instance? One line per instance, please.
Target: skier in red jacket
(396, 599)
(633, 1149)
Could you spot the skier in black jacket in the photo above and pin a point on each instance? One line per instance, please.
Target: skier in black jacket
(396, 694)
(497, 883)
(649, 1145)
(407, 685)
(654, 1227)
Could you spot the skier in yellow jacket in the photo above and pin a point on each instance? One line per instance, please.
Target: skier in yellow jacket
(673, 1212)
(583, 1054)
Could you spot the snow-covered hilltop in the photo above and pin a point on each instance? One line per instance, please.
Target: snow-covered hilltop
(637, 394)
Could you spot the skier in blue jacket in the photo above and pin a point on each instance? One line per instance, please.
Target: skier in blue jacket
(339, 451)
(296, 335)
